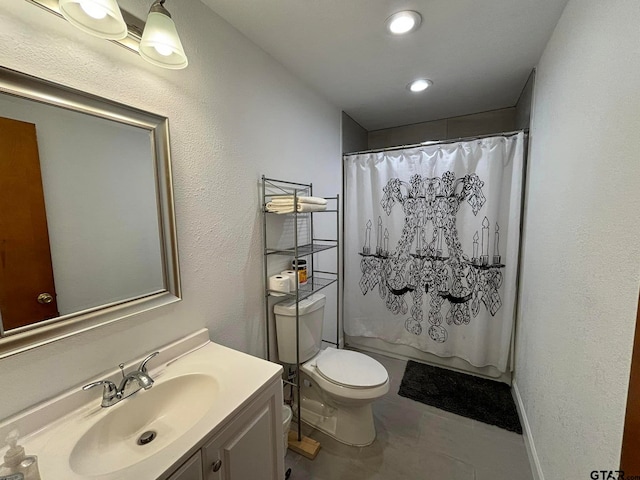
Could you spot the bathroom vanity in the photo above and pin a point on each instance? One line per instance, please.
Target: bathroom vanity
(212, 413)
(244, 449)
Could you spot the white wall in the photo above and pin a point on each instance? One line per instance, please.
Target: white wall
(581, 266)
(234, 113)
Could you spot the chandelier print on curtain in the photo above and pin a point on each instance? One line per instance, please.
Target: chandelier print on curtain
(437, 267)
(438, 221)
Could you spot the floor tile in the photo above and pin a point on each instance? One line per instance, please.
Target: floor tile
(416, 442)
(402, 420)
(412, 463)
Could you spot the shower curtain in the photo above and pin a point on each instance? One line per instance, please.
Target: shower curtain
(431, 247)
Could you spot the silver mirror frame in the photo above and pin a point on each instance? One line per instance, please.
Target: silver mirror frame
(32, 88)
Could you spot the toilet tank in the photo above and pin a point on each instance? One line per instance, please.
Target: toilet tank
(311, 312)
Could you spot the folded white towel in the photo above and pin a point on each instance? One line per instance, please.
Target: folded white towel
(288, 200)
(302, 208)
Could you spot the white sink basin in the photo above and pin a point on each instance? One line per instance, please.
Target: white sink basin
(169, 409)
(199, 385)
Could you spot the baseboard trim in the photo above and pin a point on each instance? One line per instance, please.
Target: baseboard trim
(536, 468)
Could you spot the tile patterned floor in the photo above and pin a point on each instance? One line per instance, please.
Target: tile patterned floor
(416, 442)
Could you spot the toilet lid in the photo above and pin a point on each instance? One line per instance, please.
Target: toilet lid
(351, 369)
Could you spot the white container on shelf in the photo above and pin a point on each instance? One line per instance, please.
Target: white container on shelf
(287, 414)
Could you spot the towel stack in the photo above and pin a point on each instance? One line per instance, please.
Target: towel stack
(284, 204)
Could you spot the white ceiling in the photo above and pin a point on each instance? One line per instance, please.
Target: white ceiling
(478, 53)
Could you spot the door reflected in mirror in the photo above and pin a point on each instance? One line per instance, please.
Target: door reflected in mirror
(27, 291)
(86, 209)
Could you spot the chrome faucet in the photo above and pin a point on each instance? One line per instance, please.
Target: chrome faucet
(130, 383)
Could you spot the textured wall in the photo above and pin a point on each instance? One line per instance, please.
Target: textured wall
(581, 266)
(234, 113)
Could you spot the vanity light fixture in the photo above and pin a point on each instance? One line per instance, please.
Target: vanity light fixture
(160, 43)
(101, 18)
(157, 42)
(403, 22)
(419, 85)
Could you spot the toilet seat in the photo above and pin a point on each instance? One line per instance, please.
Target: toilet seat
(350, 369)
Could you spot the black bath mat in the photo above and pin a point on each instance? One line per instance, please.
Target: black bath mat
(473, 397)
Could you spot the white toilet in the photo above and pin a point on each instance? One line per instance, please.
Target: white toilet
(337, 386)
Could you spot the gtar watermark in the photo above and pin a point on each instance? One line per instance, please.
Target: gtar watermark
(612, 475)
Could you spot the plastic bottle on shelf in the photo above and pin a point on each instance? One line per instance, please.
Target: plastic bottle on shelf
(300, 266)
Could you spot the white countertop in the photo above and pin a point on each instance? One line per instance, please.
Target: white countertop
(238, 376)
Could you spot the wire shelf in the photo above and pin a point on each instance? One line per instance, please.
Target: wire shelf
(273, 188)
(303, 250)
(314, 284)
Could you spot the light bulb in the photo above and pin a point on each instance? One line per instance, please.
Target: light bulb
(402, 25)
(160, 43)
(419, 85)
(404, 22)
(93, 10)
(163, 50)
(101, 18)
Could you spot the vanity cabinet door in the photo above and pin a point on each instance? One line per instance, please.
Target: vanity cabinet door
(248, 449)
(190, 470)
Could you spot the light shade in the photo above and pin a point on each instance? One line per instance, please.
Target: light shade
(403, 22)
(160, 43)
(101, 18)
(420, 85)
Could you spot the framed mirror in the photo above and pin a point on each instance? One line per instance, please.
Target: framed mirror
(87, 222)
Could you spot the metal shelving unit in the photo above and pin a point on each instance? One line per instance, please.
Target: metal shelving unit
(317, 280)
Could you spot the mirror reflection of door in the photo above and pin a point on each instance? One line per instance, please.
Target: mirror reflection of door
(27, 291)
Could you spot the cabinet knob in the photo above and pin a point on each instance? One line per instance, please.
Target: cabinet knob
(216, 466)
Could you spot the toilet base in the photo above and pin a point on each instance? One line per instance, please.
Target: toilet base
(351, 425)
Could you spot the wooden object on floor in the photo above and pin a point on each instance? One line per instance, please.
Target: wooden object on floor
(306, 447)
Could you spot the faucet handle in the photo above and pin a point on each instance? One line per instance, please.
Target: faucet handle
(143, 365)
(110, 389)
(110, 395)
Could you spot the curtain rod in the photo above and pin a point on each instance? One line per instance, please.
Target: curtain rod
(442, 142)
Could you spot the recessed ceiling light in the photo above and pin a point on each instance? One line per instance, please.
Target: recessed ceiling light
(403, 22)
(420, 85)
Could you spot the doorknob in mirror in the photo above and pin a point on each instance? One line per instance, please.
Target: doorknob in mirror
(45, 298)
